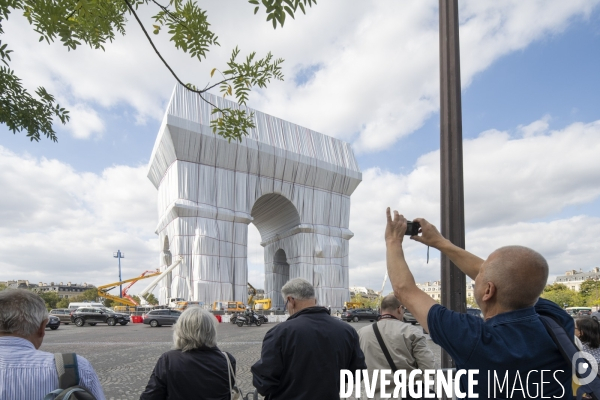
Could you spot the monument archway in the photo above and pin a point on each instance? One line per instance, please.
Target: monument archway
(275, 216)
(279, 274)
(294, 184)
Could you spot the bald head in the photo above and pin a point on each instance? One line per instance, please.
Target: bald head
(519, 274)
(390, 303)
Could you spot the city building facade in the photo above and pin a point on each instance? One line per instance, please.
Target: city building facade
(434, 289)
(573, 279)
(64, 291)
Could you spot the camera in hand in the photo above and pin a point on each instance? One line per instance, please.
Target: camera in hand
(412, 228)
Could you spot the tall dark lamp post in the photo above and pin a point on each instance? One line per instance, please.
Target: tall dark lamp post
(451, 160)
(119, 255)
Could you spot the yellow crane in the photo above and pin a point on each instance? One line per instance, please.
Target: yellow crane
(251, 295)
(126, 299)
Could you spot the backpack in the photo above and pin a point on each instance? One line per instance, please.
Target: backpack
(68, 380)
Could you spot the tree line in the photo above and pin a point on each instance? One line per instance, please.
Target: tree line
(588, 295)
(53, 301)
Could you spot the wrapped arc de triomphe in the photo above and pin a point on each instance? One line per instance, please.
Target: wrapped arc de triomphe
(294, 184)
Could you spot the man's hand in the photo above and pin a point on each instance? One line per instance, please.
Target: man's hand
(395, 229)
(430, 236)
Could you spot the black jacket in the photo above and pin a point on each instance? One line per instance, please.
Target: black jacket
(195, 374)
(302, 357)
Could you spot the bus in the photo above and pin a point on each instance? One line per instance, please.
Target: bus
(575, 311)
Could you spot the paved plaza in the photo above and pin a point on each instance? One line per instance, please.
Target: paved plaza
(124, 356)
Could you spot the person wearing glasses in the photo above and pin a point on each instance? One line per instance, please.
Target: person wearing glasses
(301, 358)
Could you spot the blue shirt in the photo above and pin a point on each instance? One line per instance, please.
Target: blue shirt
(512, 347)
(30, 374)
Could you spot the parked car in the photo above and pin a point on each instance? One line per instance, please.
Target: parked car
(360, 313)
(596, 315)
(95, 315)
(409, 318)
(475, 311)
(53, 322)
(64, 314)
(156, 318)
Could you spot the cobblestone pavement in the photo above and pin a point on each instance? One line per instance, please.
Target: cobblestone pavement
(124, 356)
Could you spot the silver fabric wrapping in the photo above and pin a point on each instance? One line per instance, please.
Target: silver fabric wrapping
(294, 184)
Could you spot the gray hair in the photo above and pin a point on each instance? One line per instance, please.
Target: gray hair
(195, 328)
(21, 312)
(299, 289)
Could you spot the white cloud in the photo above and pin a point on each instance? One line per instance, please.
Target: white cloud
(84, 122)
(514, 189)
(381, 81)
(62, 225)
(378, 76)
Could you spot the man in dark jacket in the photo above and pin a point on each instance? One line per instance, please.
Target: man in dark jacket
(302, 357)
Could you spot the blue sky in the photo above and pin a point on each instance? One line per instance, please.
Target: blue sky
(556, 76)
(530, 82)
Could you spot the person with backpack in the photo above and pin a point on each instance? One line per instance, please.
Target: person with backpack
(27, 373)
(512, 341)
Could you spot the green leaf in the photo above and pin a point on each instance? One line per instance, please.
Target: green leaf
(212, 72)
(289, 11)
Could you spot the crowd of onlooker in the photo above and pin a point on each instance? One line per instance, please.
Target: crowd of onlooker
(302, 357)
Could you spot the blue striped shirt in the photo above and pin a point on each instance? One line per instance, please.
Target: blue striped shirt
(30, 374)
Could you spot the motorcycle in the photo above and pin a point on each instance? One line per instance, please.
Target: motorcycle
(242, 320)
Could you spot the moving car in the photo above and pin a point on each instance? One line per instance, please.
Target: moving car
(578, 311)
(64, 314)
(156, 318)
(53, 322)
(95, 315)
(360, 313)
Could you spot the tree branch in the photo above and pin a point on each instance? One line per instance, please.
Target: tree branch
(161, 57)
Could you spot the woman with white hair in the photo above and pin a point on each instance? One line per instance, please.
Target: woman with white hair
(195, 368)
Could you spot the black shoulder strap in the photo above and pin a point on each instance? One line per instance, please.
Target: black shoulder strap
(68, 371)
(569, 350)
(386, 353)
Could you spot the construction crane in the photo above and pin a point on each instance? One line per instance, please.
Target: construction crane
(251, 295)
(126, 299)
(159, 276)
(384, 281)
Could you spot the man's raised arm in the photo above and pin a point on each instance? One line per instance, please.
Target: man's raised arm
(430, 236)
(405, 289)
